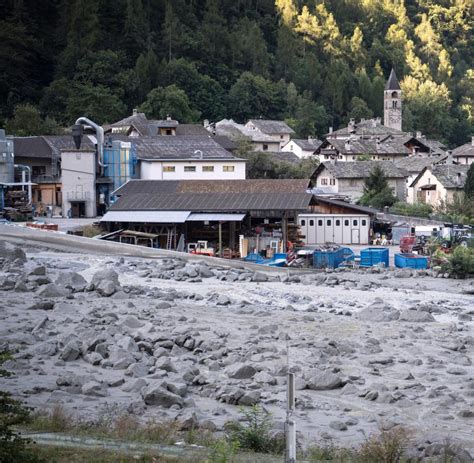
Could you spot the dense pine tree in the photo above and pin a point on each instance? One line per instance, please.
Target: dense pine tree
(238, 58)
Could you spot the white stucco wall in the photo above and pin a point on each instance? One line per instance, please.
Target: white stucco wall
(78, 174)
(432, 197)
(292, 147)
(153, 170)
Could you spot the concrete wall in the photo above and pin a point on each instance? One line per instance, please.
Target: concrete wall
(78, 178)
(153, 170)
(272, 146)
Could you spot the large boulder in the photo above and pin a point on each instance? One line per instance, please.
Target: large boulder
(11, 252)
(155, 394)
(71, 351)
(104, 276)
(71, 280)
(52, 290)
(325, 381)
(416, 316)
(378, 312)
(241, 371)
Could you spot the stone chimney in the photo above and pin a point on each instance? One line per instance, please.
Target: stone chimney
(135, 112)
(414, 150)
(351, 126)
(347, 145)
(168, 117)
(418, 134)
(330, 130)
(377, 143)
(472, 140)
(206, 123)
(458, 178)
(449, 159)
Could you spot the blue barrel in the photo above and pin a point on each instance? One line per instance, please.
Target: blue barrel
(374, 256)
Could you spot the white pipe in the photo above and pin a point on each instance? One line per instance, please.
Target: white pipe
(100, 137)
(23, 183)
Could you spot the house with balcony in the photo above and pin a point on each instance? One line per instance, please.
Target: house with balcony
(41, 156)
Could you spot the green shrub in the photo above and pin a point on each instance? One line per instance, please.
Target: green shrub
(223, 451)
(13, 448)
(461, 263)
(386, 447)
(413, 210)
(255, 432)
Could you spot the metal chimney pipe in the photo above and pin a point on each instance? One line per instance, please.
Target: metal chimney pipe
(100, 137)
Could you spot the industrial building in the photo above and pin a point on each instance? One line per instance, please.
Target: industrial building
(232, 217)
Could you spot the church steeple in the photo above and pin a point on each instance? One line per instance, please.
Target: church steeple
(392, 114)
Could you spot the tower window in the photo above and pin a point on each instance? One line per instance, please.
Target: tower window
(394, 95)
(394, 104)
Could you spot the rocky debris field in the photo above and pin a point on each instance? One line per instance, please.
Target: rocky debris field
(171, 340)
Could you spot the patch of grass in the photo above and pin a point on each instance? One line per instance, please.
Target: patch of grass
(328, 452)
(89, 231)
(385, 447)
(75, 455)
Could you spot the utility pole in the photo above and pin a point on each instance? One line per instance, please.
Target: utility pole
(290, 424)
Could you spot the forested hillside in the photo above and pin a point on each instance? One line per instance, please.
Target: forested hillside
(313, 63)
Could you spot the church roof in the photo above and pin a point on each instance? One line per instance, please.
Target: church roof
(392, 82)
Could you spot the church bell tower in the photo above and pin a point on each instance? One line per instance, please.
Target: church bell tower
(392, 103)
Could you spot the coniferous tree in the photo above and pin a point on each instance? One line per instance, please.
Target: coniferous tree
(469, 185)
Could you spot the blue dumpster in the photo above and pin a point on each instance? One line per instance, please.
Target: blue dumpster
(328, 259)
(374, 256)
(411, 261)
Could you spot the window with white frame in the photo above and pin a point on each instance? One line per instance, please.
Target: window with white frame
(190, 168)
(332, 181)
(169, 168)
(324, 181)
(228, 168)
(208, 168)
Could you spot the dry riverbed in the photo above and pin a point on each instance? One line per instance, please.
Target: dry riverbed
(166, 340)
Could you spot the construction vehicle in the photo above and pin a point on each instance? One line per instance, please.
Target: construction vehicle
(455, 235)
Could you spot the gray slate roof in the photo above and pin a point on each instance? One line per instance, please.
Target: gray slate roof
(415, 164)
(306, 144)
(284, 156)
(366, 127)
(271, 127)
(448, 175)
(360, 169)
(179, 148)
(392, 82)
(464, 150)
(236, 132)
(366, 146)
(32, 147)
(202, 196)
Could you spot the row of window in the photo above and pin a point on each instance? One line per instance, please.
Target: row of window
(324, 181)
(337, 222)
(193, 168)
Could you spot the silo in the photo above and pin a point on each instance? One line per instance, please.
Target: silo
(7, 161)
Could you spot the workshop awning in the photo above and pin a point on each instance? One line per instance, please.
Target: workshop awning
(146, 216)
(203, 217)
